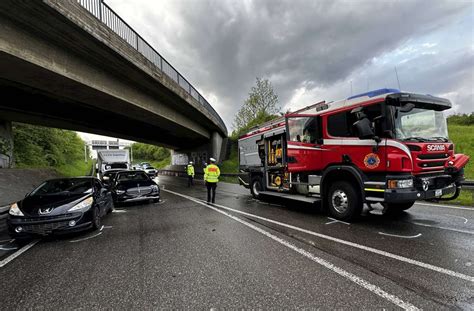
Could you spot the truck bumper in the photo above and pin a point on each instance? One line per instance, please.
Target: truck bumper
(411, 195)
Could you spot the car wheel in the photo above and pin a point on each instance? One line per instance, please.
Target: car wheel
(256, 187)
(96, 219)
(343, 202)
(396, 208)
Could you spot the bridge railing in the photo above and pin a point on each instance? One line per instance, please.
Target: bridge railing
(107, 16)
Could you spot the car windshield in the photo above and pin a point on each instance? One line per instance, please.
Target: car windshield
(63, 186)
(132, 176)
(421, 124)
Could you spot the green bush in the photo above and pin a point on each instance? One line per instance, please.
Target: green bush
(461, 119)
(150, 152)
(37, 146)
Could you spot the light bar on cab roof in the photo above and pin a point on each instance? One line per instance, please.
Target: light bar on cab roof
(375, 93)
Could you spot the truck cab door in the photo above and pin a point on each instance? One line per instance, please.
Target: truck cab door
(304, 141)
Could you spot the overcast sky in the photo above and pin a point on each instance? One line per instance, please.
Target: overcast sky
(312, 50)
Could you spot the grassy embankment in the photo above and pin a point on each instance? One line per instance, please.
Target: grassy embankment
(461, 135)
(230, 165)
(463, 138)
(44, 147)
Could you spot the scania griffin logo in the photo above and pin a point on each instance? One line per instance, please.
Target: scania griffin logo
(436, 148)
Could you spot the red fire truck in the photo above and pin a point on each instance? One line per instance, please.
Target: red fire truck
(383, 146)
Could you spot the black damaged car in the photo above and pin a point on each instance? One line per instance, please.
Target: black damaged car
(60, 206)
(130, 186)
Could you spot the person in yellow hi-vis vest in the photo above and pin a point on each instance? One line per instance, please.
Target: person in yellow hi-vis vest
(211, 177)
(190, 172)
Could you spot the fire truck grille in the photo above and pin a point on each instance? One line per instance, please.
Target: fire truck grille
(443, 156)
(431, 164)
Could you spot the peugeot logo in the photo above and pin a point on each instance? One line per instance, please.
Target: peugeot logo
(44, 211)
(426, 185)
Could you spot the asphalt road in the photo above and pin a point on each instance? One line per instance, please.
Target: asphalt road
(242, 253)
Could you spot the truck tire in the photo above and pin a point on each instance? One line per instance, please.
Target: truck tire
(394, 208)
(343, 202)
(256, 186)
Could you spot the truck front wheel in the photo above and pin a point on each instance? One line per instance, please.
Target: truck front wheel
(256, 186)
(343, 202)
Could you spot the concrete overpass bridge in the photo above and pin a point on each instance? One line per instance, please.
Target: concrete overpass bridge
(75, 64)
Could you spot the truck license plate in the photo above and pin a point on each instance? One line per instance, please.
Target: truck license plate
(438, 192)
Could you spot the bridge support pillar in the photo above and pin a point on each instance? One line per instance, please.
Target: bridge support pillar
(217, 147)
(6, 144)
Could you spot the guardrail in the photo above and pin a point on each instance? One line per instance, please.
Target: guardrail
(112, 20)
(197, 174)
(468, 184)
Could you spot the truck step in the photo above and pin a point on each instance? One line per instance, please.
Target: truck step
(293, 197)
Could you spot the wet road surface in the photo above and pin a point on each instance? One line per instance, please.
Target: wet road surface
(243, 253)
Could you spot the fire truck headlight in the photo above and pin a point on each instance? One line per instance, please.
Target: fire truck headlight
(400, 183)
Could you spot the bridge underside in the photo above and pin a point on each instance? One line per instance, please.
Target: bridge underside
(55, 72)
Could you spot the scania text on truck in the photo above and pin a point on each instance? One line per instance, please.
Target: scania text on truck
(383, 146)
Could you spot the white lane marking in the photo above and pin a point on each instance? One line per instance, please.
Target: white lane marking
(351, 277)
(119, 211)
(335, 220)
(9, 241)
(18, 253)
(464, 218)
(444, 228)
(331, 222)
(447, 206)
(101, 228)
(401, 236)
(161, 202)
(355, 245)
(107, 227)
(86, 238)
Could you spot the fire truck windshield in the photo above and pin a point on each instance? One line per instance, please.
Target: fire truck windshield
(421, 125)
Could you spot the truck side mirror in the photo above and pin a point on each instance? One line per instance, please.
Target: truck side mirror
(364, 129)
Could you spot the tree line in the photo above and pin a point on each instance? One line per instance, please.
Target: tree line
(149, 152)
(461, 119)
(38, 146)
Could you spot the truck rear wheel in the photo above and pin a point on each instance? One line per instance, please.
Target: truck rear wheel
(256, 186)
(343, 202)
(393, 208)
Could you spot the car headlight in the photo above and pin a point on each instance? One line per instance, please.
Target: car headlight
(82, 205)
(15, 210)
(400, 183)
(120, 191)
(155, 188)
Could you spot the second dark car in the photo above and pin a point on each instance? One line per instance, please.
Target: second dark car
(128, 186)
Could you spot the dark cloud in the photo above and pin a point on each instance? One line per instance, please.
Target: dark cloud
(221, 46)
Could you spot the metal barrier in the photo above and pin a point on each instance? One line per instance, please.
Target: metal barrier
(197, 174)
(107, 16)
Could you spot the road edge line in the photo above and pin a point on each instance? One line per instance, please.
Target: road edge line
(5, 261)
